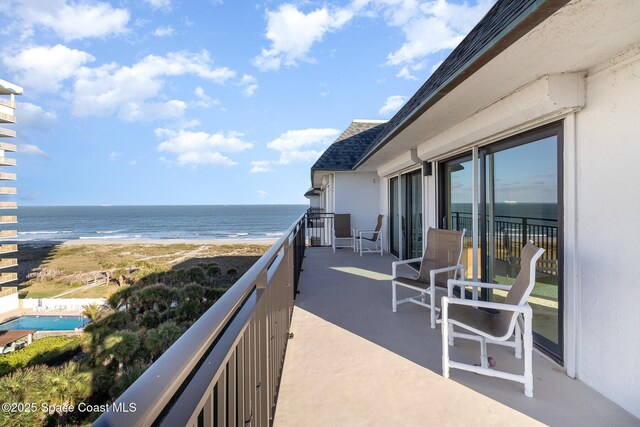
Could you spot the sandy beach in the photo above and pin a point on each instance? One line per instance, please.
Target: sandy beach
(78, 242)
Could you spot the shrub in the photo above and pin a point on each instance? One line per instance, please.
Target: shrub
(42, 351)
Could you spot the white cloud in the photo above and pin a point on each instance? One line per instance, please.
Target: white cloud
(73, 20)
(167, 31)
(430, 26)
(262, 194)
(159, 4)
(249, 83)
(405, 73)
(201, 148)
(33, 117)
(114, 155)
(126, 90)
(292, 33)
(303, 145)
(204, 100)
(44, 68)
(32, 150)
(260, 166)
(392, 105)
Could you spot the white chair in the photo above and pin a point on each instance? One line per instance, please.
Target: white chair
(441, 261)
(342, 231)
(372, 236)
(486, 327)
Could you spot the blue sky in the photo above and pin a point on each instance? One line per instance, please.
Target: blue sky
(208, 101)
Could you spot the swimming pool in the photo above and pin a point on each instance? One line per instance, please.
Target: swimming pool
(45, 323)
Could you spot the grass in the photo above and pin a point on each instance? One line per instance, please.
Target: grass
(46, 271)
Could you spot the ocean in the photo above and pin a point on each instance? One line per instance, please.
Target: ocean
(156, 222)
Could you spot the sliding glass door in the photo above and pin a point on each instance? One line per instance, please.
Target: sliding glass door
(520, 194)
(405, 215)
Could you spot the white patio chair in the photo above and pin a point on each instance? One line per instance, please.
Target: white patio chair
(372, 236)
(492, 328)
(342, 230)
(441, 261)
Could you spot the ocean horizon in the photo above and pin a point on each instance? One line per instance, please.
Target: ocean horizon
(155, 222)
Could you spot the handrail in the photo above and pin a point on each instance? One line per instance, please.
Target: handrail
(181, 369)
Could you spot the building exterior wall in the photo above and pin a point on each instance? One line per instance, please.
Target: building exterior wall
(608, 233)
(602, 202)
(9, 302)
(358, 194)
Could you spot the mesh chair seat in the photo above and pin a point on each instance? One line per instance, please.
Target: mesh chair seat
(480, 320)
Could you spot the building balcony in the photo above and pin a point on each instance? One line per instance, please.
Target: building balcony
(8, 219)
(4, 146)
(8, 277)
(8, 248)
(7, 190)
(8, 262)
(338, 355)
(5, 161)
(7, 133)
(8, 103)
(8, 205)
(7, 176)
(7, 118)
(8, 234)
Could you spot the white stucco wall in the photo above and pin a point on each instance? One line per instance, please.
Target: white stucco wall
(608, 232)
(8, 303)
(358, 194)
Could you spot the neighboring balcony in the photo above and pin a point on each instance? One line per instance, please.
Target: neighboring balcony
(7, 133)
(7, 118)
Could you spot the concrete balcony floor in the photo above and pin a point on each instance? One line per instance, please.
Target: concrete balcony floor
(353, 362)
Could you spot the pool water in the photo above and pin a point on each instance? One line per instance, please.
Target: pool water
(45, 323)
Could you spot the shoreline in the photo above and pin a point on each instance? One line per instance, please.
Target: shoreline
(166, 242)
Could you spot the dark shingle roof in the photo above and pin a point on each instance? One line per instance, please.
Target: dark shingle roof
(506, 22)
(349, 147)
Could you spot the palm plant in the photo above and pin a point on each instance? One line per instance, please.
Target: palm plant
(64, 385)
(158, 340)
(122, 346)
(213, 270)
(195, 274)
(93, 311)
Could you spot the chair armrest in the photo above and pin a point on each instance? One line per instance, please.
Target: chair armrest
(447, 269)
(526, 308)
(406, 261)
(452, 283)
(395, 264)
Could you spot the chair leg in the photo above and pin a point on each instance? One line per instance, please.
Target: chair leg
(451, 337)
(528, 354)
(394, 304)
(446, 338)
(432, 301)
(484, 362)
(518, 349)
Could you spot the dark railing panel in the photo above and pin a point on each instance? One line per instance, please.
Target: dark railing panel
(319, 226)
(510, 233)
(225, 370)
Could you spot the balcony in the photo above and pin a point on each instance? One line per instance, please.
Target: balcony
(7, 118)
(349, 360)
(7, 133)
(353, 361)
(5, 161)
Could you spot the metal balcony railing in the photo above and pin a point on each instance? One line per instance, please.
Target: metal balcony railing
(319, 227)
(510, 233)
(226, 368)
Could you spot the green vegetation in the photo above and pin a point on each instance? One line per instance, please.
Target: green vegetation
(155, 293)
(43, 351)
(47, 271)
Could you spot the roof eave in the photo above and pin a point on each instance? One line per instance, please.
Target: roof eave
(535, 14)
